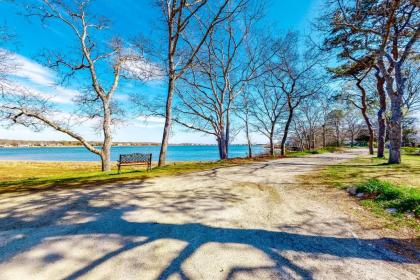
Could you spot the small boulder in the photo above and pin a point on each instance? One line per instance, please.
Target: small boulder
(360, 195)
(352, 190)
(410, 215)
(391, 210)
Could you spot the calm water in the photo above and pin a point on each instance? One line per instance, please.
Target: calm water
(175, 153)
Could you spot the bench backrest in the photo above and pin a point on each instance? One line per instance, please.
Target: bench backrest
(136, 157)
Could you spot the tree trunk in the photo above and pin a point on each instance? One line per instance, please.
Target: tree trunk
(222, 147)
(337, 132)
(365, 115)
(106, 146)
(370, 129)
(324, 142)
(285, 132)
(313, 140)
(381, 115)
(227, 133)
(271, 145)
(168, 121)
(248, 137)
(395, 129)
(106, 161)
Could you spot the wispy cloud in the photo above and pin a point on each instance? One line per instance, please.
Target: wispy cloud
(28, 75)
(151, 119)
(33, 71)
(138, 67)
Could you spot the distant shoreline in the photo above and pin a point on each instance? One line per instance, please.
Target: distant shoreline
(115, 146)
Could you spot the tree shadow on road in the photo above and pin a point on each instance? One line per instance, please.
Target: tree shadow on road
(110, 220)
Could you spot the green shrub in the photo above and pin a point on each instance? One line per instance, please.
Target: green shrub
(410, 150)
(389, 195)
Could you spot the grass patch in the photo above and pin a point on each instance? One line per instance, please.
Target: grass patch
(314, 152)
(385, 185)
(410, 151)
(388, 195)
(36, 176)
(362, 169)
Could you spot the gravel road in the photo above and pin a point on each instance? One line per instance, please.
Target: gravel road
(244, 222)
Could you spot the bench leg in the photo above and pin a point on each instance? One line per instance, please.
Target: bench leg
(119, 169)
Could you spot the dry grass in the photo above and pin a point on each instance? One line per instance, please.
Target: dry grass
(19, 170)
(365, 168)
(31, 176)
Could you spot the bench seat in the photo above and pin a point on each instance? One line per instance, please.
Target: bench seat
(135, 159)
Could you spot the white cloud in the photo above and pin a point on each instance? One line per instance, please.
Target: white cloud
(151, 119)
(138, 67)
(32, 71)
(29, 76)
(58, 95)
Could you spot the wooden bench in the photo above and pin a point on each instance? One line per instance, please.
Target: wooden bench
(135, 159)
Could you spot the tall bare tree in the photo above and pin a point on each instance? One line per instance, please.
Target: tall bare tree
(354, 125)
(188, 24)
(268, 105)
(335, 120)
(243, 111)
(221, 72)
(91, 57)
(297, 74)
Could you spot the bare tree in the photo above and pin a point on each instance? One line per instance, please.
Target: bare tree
(222, 70)
(298, 75)
(381, 114)
(335, 120)
(268, 105)
(310, 119)
(244, 112)
(91, 57)
(188, 24)
(353, 125)
(412, 98)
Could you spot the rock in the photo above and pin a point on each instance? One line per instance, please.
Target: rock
(352, 190)
(360, 195)
(410, 215)
(391, 210)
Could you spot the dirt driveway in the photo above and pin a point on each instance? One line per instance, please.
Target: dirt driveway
(246, 222)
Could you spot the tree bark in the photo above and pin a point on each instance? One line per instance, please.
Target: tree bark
(365, 115)
(370, 130)
(285, 132)
(227, 132)
(271, 145)
(337, 132)
(395, 130)
(222, 147)
(106, 160)
(168, 121)
(248, 137)
(106, 146)
(380, 81)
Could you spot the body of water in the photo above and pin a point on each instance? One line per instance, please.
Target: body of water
(175, 153)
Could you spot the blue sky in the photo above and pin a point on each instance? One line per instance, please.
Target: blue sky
(129, 18)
